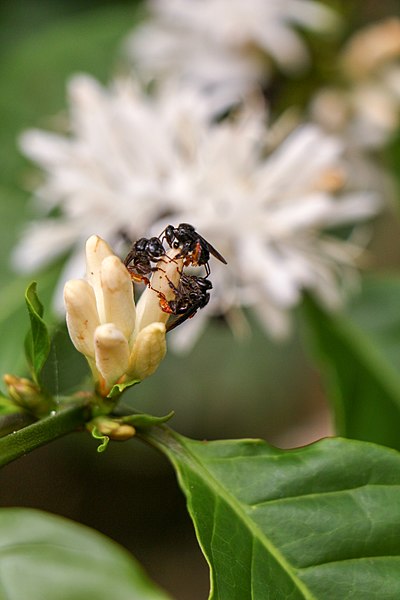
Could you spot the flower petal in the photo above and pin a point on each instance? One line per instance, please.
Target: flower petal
(96, 251)
(119, 303)
(42, 242)
(82, 316)
(148, 351)
(111, 352)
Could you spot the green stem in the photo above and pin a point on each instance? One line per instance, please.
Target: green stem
(33, 436)
(160, 437)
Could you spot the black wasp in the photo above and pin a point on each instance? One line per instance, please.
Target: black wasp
(194, 249)
(191, 294)
(140, 257)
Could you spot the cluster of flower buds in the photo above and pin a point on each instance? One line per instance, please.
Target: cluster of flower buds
(122, 342)
(28, 395)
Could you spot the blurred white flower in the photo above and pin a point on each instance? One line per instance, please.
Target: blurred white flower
(367, 109)
(138, 163)
(268, 216)
(371, 48)
(116, 172)
(121, 342)
(225, 47)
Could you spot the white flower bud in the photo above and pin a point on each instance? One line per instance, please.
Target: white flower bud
(148, 351)
(82, 316)
(119, 303)
(96, 251)
(111, 353)
(101, 316)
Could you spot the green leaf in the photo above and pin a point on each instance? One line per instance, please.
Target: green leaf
(118, 388)
(95, 433)
(14, 321)
(47, 557)
(317, 522)
(359, 353)
(8, 407)
(37, 343)
(144, 421)
(13, 326)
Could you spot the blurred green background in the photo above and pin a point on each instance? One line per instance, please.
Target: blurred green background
(223, 389)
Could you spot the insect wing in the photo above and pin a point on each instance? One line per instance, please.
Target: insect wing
(213, 251)
(129, 257)
(191, 311)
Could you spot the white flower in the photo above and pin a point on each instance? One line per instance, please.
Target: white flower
(116, 171)
(120, 342)
(132, 160)
(268, 217)
(225, 47)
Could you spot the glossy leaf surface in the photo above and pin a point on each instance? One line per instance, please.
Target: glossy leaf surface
(37, 342)
(47, 557)
(320, 522)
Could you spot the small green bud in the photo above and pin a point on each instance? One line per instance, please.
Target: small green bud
(111, 428)
(28, 395)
